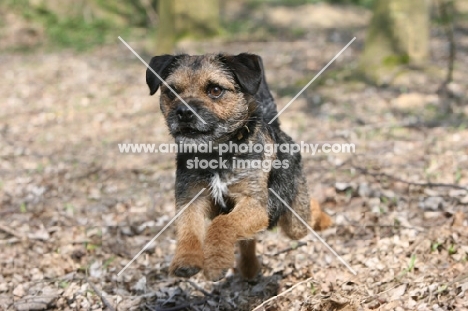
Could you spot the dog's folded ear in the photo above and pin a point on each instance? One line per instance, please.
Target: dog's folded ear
(160, 65)
(247, 69)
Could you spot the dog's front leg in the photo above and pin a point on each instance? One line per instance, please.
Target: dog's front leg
(246, 219)
(188, 258)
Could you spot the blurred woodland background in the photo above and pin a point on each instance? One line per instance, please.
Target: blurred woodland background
(398, 32)
(74, 211)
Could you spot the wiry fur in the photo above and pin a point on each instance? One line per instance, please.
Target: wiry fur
(237, 200)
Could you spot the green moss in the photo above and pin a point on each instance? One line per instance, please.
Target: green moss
(396, 60)
(254, 4)
(74, 32)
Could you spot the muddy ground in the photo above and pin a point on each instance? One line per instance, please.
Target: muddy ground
(74, 211)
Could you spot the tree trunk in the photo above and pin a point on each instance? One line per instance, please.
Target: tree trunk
(166, 30)
(196, 18)
(398, 35)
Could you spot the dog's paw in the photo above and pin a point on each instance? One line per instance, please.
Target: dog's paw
(214, 274)
(185, 272)
(218, 259)
(186, 265)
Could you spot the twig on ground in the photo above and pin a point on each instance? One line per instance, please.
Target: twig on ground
(85, 175)
(98, 292)
(194, 285)
(11, 232)
(458, 279)
(291, 248)
(281, 294)
(420, 184)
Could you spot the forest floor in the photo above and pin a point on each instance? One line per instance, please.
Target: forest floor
(74, 211)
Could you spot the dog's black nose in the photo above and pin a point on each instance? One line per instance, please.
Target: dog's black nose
(184, 113)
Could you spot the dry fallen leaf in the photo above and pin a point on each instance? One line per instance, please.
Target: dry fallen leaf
(458, 219)
(398, 292)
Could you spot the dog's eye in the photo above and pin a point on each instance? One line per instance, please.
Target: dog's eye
(169, 93)
(215, 91)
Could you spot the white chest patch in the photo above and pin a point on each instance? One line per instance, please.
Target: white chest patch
(218, 189)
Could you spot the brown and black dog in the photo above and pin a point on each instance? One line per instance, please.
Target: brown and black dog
(224, 99)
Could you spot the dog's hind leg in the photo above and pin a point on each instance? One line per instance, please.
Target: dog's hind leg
(247, 263)
(309, 210)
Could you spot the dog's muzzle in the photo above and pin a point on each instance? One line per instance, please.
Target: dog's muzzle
(184, 114)
(186, 120)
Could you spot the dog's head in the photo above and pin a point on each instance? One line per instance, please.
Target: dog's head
(205, 97)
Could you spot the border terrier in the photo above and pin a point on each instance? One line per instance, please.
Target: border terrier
(226, 100)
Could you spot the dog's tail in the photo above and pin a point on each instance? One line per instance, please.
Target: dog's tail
(321, 221)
